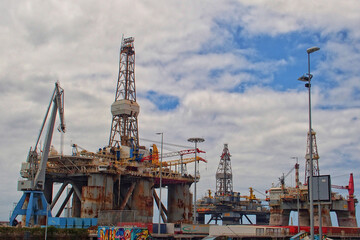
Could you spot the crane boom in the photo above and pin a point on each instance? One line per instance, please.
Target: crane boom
(183, 161)
(155, 155)
(58, 105)
(34, 171)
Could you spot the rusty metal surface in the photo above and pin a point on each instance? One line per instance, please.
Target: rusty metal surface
(142, 200)
(76, 206)
(114, 217)
(346, 219)
(92, 201)
(179, 203)
(98, 195)
(100, 176)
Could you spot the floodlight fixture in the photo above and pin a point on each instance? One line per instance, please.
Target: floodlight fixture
(312, 49)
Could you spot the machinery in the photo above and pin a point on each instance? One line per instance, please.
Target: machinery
(33, 204)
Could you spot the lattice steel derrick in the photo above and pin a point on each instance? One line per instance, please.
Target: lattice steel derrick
(124, 126)
(224, 183)
(315, 156)
(125, 88)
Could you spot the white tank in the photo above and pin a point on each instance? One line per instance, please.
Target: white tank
(125, 107)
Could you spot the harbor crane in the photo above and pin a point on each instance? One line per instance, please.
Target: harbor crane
(33, 203)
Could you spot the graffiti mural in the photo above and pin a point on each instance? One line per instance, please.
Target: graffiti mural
(121, 233)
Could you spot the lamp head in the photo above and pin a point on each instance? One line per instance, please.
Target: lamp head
(312, 49)
(196, 140)
(304, 78)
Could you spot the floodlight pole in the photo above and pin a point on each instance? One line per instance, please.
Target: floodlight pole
(195, 140)
(310, 182)
(311, 161)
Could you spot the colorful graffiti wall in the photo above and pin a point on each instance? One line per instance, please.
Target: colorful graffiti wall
(122, 233)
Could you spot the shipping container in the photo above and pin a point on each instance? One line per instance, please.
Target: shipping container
(78, 222)
(70, 223)
(57, 222)
(86, 222)
(94, 221)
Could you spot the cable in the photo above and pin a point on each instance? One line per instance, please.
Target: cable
(169, 144)
(259, 192)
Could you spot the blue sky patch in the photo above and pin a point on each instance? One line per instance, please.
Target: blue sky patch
(289, 48)
(163, 102)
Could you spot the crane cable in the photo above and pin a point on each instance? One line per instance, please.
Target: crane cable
(169, 144)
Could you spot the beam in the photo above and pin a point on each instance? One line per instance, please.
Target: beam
(77, 191)
(164, 211)
(56, 198)
(248, 219)
(127, 196)
(65, 202)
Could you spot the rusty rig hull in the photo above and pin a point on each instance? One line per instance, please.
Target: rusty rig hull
(117, 192)
(284, 200)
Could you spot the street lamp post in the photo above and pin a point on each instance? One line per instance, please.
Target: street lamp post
(160, 172)
(195, 140)
(310, 182)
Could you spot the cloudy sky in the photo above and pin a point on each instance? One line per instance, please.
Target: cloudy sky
(224, 71)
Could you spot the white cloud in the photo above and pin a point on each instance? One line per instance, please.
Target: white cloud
(179, 45)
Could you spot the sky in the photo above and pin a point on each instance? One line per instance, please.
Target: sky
(225, 71)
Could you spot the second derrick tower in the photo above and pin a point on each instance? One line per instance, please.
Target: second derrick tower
(224, 184)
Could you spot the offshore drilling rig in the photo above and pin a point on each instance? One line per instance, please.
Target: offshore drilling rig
(118, 182)
(283, 199)
(228, 206)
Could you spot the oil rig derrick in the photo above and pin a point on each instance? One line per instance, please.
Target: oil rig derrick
(125, 110)
(315, 156)
(224, 183)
